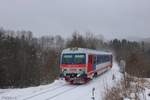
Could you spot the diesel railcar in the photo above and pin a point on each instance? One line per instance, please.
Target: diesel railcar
(78, 65)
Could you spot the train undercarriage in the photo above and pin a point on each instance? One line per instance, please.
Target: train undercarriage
(74, 78)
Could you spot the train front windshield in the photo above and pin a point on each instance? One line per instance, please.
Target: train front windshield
(73, 59)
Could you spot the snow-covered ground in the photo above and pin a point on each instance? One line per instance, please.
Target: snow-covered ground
(60, 90)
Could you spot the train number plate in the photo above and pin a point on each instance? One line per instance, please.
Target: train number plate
(72, 70)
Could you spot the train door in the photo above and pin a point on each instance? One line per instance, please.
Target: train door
(90, 63)
(95, 62)
(111, 58)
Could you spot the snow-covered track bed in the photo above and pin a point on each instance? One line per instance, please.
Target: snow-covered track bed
(44, 91)
(61, 92)
(51, 93)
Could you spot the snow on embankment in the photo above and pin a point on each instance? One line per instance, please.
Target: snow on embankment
(60, 90)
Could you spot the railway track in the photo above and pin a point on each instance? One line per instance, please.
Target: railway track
(54, 92)
(43, 91)
(60, 93)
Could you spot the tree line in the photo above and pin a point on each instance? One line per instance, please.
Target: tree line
(26, 60)
(136, 55)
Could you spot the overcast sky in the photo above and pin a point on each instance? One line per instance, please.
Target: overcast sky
(111, 18)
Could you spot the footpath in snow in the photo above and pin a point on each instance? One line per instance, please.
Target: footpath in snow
(60, 90)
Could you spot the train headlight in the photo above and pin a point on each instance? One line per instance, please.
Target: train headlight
(65, 69)
(81, 70)
(64, 72)
(78, 75)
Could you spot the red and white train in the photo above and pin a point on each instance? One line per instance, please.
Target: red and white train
(78, 65)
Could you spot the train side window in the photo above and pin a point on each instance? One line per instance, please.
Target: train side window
(98, 59)
(108, 58)
(105, 58)
(102, 58)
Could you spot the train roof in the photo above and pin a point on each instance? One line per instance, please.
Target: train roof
(84, 50)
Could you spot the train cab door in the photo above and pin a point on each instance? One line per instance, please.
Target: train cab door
(90, 63)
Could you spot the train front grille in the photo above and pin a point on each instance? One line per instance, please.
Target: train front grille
(71, 75)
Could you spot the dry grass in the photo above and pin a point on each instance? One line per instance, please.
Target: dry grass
(130, 87)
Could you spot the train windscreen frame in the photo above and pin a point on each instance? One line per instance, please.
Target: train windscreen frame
(77, 58)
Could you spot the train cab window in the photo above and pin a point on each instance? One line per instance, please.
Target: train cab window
(79, 59)
(67, 59)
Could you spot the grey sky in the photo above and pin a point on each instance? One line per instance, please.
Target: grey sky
(111, 18)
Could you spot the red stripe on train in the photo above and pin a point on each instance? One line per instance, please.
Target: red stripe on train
(91, 72)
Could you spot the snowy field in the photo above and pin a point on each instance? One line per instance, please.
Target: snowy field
(60, 90)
